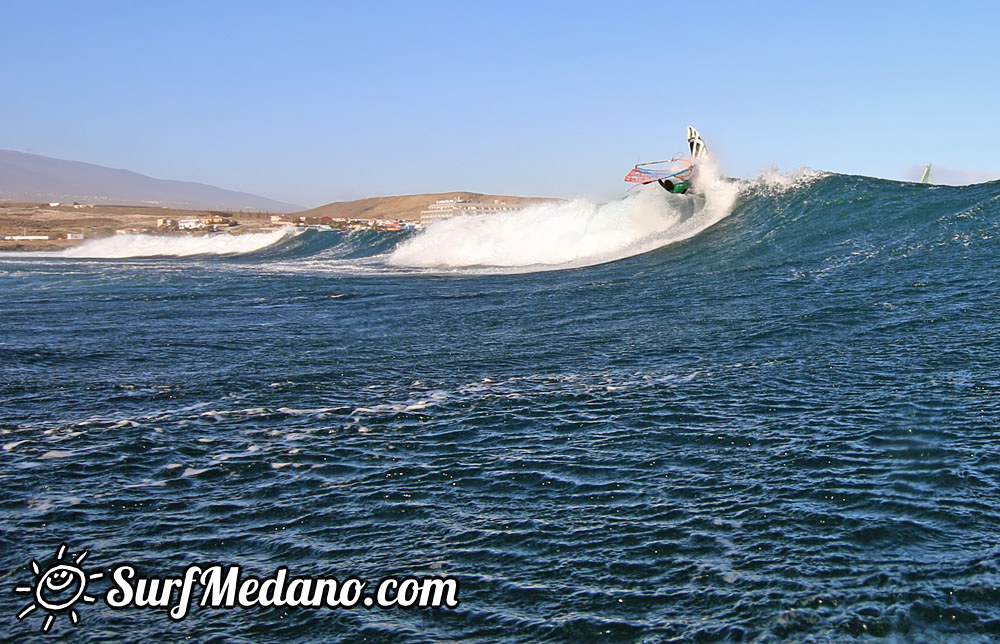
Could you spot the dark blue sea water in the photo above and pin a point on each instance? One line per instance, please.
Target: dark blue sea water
(785, 426)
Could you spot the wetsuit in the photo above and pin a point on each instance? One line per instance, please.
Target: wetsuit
(675, 188)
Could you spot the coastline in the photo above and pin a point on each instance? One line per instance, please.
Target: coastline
(49, 227)
(57, 226)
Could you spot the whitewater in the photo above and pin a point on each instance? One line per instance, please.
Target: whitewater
(139, 245)
(544, 236)
(575, 233)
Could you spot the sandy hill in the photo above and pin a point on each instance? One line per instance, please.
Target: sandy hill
(406, 207)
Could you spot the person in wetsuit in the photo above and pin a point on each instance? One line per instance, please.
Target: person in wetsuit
(675, 188)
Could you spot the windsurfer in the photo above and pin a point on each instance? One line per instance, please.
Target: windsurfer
(675, 188)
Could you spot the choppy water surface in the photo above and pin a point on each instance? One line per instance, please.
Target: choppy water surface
(781, 428)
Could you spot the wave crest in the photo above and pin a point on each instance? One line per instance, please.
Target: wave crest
(570, 234)
(773, 182)
(139, 245)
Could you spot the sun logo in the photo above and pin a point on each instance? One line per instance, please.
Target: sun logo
(58, 588)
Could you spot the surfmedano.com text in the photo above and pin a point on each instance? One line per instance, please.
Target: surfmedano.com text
(220, 586)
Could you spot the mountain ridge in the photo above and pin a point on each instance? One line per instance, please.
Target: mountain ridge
(35, 178)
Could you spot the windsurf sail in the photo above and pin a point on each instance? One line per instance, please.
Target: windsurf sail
(926, 177)
(655, 170)
(676, 167)
(696, 144)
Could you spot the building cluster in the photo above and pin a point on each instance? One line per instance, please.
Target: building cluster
(342, 223)
(298, 220)
(447, 208)
(214, 221)
(209, 222)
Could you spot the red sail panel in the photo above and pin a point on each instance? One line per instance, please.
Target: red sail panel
(640, 176)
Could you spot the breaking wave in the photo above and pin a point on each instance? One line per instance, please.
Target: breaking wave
(773, 217)
(571, 234)
(138, 245)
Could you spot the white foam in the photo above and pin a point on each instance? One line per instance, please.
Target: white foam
(772, 181)
(571, 234)
(55, 454)
(123, 246)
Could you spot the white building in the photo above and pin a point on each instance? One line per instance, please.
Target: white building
(447, 208)
(190, 224)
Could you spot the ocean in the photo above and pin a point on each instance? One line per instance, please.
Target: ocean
(769, 414)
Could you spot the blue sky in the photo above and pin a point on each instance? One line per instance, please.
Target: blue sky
(311, 102)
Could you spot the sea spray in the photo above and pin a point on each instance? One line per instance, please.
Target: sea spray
(571, 234)
(773, 182)
(139, 245)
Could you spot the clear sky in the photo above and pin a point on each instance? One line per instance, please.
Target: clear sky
(313, 101)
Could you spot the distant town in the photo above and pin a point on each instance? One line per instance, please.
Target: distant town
(48, 203)
(54, 225)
